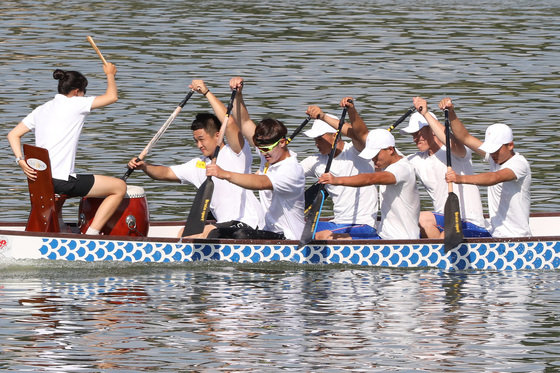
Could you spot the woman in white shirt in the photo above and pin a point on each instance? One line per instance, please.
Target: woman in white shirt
(57, 125)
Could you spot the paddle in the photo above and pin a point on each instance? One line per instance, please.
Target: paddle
(452, 227)
(312, 191)
(314, 212)
(196, 220)
(90, 39)
(159, 133)
(298, 130)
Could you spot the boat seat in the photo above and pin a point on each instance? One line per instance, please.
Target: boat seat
(46, 206)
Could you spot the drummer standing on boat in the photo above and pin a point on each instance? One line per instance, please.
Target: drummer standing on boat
(280, 179)
(430, 165)
(355, 209)
(232, 206)
(400, 202)
(57, 125)
(509, 179)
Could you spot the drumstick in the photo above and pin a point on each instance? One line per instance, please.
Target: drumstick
(90, 39)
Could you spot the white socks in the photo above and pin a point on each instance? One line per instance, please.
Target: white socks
(92, 231)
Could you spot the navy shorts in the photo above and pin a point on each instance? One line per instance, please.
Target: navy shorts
(356, 231)
(469, 229)
(78, 186)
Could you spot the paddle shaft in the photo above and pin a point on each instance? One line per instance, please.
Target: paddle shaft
(159, 133)
(298, 130)
(402, 118)
(448, 146)
(90, 39)
(314, 212)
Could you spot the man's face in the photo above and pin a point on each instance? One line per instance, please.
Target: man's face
(383, 158)
(503, 154)
(421, 138)
(205, 142)
(273, 152)
(324, 143)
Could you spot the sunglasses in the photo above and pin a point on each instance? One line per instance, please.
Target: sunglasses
(268, 148)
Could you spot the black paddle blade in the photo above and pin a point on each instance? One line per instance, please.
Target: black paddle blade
(311, 193)
(201, 206)
(312, 217)
(453, 229)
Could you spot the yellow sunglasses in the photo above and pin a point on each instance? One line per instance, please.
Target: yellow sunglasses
(268, 148)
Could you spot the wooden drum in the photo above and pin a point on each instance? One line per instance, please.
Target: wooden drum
(132, 217)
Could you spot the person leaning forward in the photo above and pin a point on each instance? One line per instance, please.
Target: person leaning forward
(430, 164)
(233, 207)
(355, 209)
(400, 202)
(509, 179)
(280, 179)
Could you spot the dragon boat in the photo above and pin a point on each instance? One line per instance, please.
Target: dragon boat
(130, 236)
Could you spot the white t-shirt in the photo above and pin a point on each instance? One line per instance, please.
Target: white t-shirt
(284, 204)
(57, 125)
(431, 170)
(509, 203)
(400, 203)
(350, 205)
(229, 201)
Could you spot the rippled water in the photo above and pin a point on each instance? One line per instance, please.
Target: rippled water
(498, 60)
(277, 317)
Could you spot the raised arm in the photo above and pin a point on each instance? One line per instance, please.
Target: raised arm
(457, 148)
(111, 95)
(358, 131)
(233, 134)
(240, 112)
(459, 130)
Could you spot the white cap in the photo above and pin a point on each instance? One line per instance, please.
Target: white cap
(497, 135)
(320, 127)
(416, 123)
(376, 140)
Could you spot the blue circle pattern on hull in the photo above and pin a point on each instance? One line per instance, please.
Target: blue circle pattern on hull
(494, 255)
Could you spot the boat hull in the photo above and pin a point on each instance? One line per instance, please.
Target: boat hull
(490, 254)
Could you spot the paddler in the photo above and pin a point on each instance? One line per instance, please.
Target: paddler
(430, 165)
(280, 179)
(509, 179)
(233, 207)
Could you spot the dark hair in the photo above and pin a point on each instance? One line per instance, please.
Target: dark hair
(268, 131)
(206, 121)
(69, 80)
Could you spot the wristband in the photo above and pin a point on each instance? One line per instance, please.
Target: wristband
(19, 159)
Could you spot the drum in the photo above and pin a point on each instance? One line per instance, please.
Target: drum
(131, 218)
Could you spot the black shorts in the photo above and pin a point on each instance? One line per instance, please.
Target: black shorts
(78, 186)
(227, 229)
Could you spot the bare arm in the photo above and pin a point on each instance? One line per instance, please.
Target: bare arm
(156, 172)
(111, 95)
(240, 111)
(457, 148)
(247, 181)
(233, 134)
(459, 130)
(381, 178)
(14, 138)
(484, 179)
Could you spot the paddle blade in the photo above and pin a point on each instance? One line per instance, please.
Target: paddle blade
(312, 218)
(311, 193)
(201, 205)
(453, 228)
